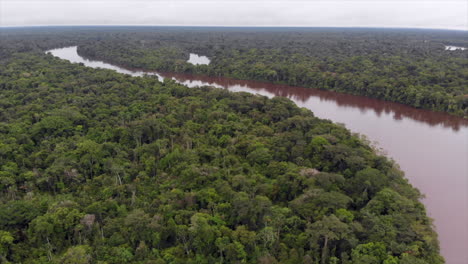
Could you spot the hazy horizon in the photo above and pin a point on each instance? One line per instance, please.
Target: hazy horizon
(417, 14)
(253, 26)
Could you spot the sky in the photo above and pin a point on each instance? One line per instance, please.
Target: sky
(441, 14)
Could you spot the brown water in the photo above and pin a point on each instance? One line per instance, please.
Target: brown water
(431, 148)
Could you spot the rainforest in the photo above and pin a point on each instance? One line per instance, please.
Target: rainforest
(412, 68)
(102, 167)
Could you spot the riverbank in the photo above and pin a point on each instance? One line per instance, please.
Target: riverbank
(396, 67)
(430, 147)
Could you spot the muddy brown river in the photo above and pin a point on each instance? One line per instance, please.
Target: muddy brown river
(430, 147)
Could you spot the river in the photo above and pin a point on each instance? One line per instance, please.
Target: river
(430, 147)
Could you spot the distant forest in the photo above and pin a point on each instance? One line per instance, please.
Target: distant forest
(102, 167)
(408, 66)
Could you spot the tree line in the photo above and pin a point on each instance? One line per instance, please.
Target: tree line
(406, 66)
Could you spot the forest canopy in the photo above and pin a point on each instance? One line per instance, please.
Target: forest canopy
(406, 66)
(409, 66)
(101, 167)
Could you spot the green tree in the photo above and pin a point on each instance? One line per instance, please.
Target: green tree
(77, 255)
(327, 230)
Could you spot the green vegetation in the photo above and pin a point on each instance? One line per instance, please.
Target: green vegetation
(100, 167)
(405, 66)
(408, 66)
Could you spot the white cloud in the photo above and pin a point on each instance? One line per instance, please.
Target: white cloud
(376, 13)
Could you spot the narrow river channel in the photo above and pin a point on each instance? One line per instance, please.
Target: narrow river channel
(431, 148)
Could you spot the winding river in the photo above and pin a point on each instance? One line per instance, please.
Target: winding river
(430, 147)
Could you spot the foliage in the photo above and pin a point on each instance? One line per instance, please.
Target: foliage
(100, 167)
(406, 66)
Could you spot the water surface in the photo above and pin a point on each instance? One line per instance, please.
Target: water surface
(430, 147)
(198, 60)
(455, 48)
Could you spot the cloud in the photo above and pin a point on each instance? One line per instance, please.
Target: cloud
(376, 13)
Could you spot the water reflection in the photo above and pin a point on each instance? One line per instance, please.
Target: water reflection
(399, 111)
(198, 60)
(454, 48)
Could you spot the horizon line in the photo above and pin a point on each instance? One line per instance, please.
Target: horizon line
(234, 26)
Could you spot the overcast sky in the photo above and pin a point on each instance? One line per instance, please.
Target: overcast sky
(446, 14)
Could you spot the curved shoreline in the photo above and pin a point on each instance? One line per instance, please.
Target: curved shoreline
(344, 99)
(429, 146)
(336, 77)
